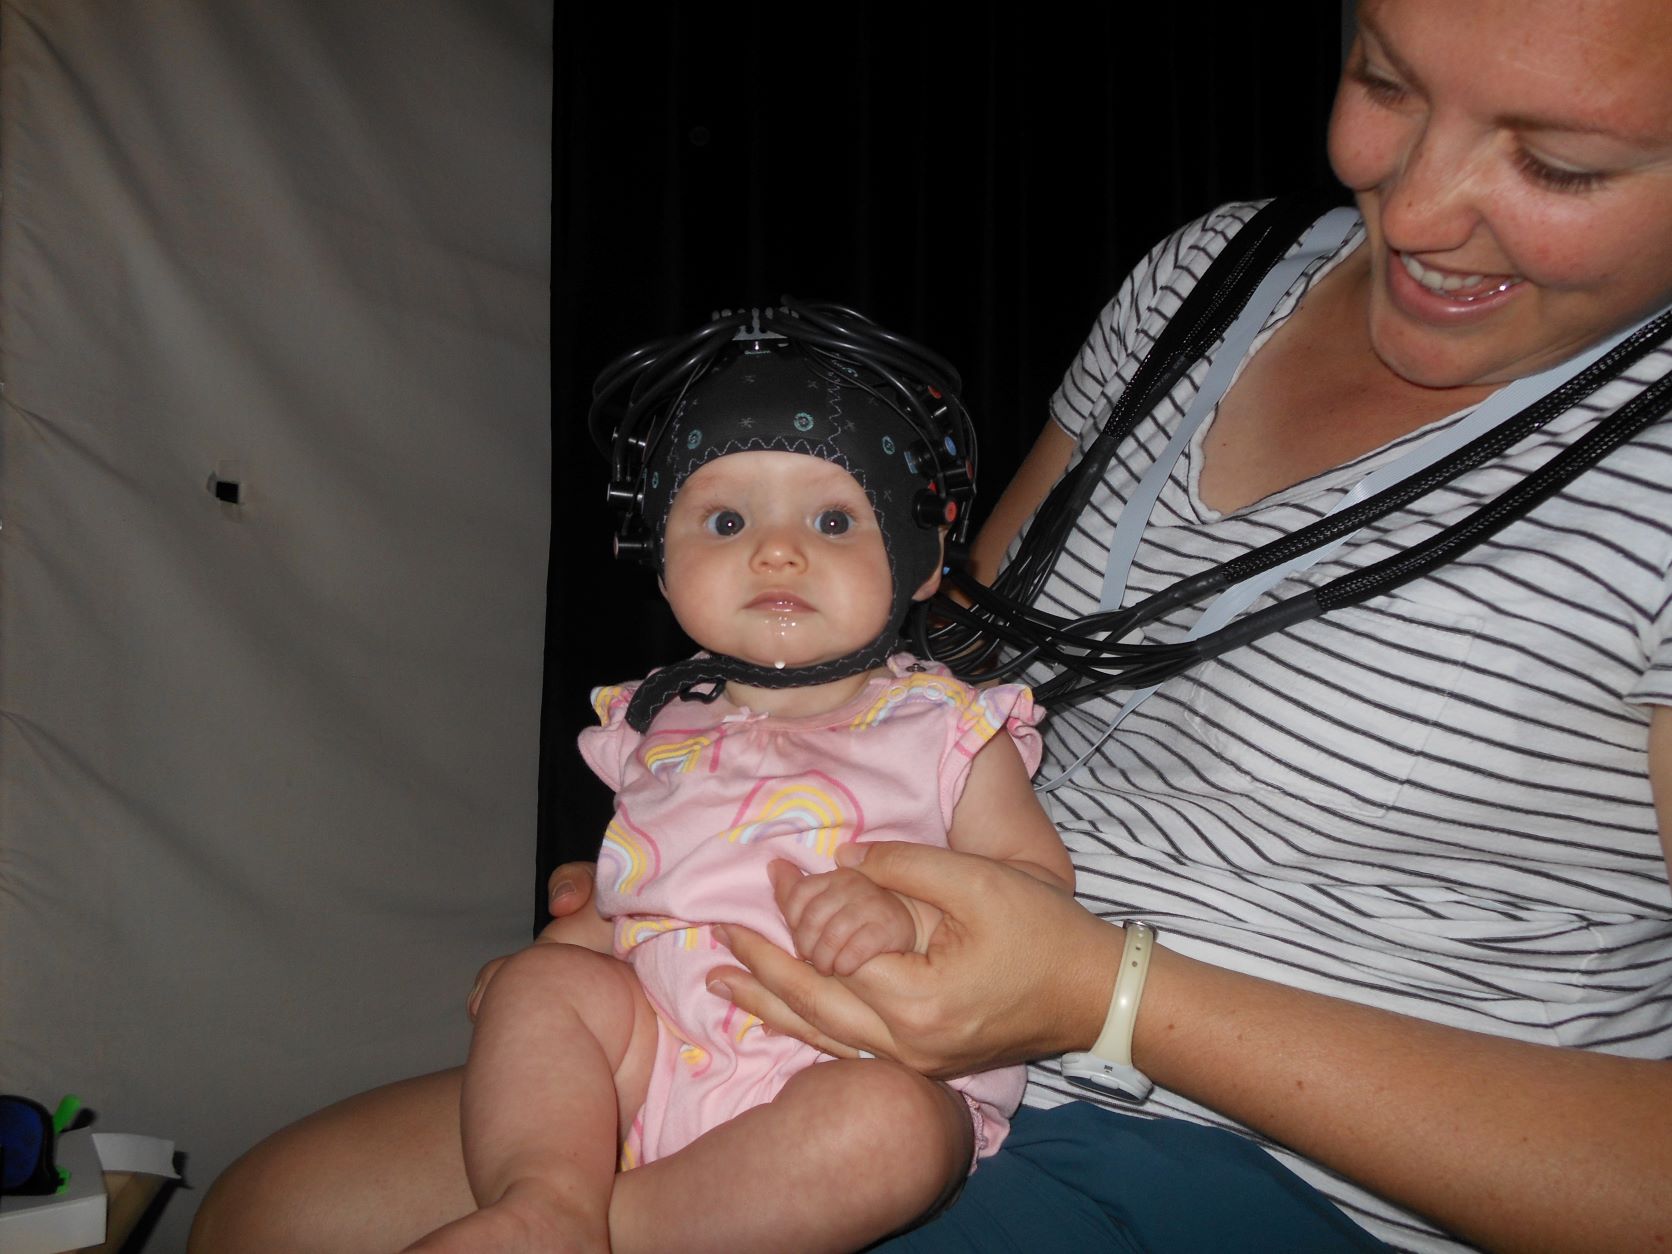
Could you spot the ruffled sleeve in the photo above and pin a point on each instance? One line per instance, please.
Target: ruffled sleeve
(1004, 708)
(608, 747)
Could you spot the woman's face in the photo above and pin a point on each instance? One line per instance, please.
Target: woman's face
(1513, 163)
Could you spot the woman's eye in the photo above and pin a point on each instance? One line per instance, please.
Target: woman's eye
(1380, 89)
(833, 522)
(1555, 177)
(724, 522)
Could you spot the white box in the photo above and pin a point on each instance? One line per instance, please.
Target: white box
(69, 1220)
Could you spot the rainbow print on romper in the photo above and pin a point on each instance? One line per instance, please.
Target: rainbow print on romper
(737, 1023)
(917, 689)
(630, 851)
(664, 755)
(695, 1057)
(632, 931)
(630, 1146)
(606, 697)
(814, 809)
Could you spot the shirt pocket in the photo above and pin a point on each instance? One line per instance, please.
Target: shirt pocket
(1336, 710)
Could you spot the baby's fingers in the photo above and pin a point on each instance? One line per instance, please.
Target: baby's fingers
(866, 942)
(793, 888)
(845, 928)
(809, 903)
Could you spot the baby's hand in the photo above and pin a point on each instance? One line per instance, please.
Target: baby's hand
(840, 920)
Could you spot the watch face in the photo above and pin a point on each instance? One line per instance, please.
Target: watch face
(1097, 1075)
(1101, 1084)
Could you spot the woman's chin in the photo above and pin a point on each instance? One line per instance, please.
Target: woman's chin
(1440, 358)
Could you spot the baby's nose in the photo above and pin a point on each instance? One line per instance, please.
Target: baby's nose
(777, 547)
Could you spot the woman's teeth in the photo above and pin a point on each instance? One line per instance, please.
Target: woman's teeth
(1457, 286)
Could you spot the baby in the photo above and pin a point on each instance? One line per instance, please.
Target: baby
(787, 517)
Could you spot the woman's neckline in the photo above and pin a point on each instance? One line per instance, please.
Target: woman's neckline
(1261, 434)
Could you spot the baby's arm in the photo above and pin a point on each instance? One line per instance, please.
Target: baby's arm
(840, 920)
(999, 817)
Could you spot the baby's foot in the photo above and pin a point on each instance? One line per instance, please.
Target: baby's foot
(527, 1217)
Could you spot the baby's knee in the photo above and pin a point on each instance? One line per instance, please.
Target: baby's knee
(897, 1123)
(560, 973)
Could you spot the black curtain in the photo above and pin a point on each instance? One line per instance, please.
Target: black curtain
(979, 179)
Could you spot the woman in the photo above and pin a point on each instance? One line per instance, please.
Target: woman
(1380, 917)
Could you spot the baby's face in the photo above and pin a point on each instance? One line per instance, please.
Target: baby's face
(776, 558)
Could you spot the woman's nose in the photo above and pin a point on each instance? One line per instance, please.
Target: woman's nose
(1429, 201)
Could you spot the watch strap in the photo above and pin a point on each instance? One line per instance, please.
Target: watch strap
(1107, 1066)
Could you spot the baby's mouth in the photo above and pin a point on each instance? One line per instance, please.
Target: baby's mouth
(779, 603)
(1463, 288)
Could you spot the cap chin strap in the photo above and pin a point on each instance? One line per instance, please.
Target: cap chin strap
(684, 679)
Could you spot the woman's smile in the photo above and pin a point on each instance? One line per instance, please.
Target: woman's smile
(1463, 288)
(1447, 297)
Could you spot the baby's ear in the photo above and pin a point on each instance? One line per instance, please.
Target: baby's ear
(931, 585)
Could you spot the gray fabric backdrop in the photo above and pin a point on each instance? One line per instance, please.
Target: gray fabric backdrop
(267, 770)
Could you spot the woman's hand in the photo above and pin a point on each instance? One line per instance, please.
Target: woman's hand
(1015, 970)
(575, 922)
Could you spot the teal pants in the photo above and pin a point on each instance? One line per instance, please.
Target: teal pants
(1080, 1179)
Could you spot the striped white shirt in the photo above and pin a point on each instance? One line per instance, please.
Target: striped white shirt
(1435, 802)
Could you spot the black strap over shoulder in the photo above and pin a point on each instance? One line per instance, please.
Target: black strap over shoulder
(1202, 318)
(1213, 304)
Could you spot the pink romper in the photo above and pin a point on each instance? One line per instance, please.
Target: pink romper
(707, 798)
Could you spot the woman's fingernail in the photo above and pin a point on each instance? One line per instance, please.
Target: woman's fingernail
(851, 854)
(474, 989)
(562, 890)
(723, 936)
(720, 989)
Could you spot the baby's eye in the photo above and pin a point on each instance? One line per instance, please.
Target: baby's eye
(833, 522)
(724, 522)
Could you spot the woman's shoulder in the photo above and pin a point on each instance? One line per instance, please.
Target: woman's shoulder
(1195, 245)
(1141, 307)
(1177, 262)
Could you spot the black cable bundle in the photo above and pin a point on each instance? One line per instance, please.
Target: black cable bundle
(997, 633)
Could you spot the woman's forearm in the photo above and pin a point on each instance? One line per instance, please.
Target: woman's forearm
(1509, 1144)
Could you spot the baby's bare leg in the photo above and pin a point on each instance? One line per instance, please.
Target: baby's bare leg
(562, 1052)
(382, 1168)
(849, 1152)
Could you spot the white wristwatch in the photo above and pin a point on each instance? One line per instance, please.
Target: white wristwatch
(1107, 1067)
